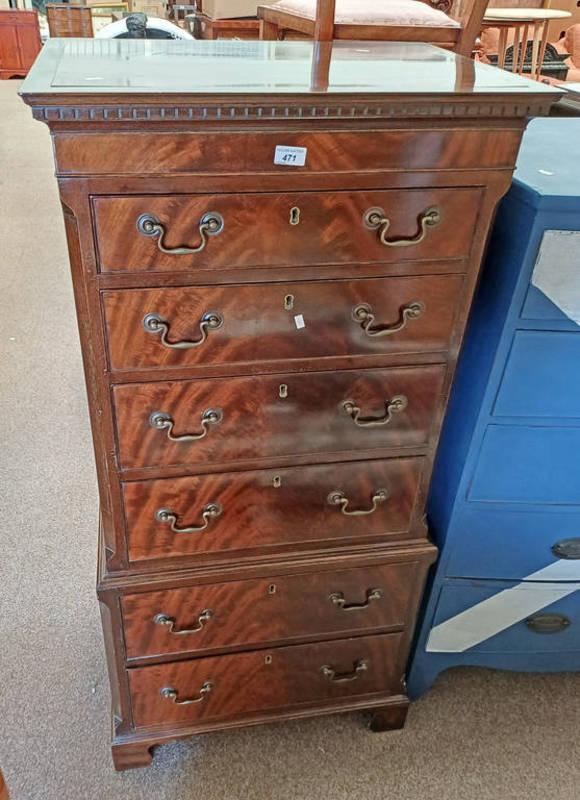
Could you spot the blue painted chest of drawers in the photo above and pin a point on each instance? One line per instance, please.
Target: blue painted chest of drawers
(505, 498)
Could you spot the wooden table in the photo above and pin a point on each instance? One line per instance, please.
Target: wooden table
(522, 20)
(205, 27)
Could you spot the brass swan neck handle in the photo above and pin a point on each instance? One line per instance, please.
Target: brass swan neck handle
(210, 224)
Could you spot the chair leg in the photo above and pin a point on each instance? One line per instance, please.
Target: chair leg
(268, 30)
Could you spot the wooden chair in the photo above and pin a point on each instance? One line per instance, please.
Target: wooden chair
(406, 21)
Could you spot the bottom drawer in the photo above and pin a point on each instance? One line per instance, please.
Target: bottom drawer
(506, 617)
(230, 685)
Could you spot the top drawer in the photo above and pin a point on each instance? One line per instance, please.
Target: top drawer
(221, 152)
(183, 232)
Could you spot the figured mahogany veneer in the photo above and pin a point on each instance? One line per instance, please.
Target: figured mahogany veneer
(260, 418)
(288, 537)
(270, 508)
(261, 322)
(262, 681)
(275, 608)
(258, 230)
(173, 153)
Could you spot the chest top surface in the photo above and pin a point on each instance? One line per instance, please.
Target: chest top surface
(549, 159)
(81, 71)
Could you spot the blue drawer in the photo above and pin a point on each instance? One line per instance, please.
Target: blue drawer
(490, 617)
(554, 291)
(511, 543)
(538, 381)
(525, 464)
(539, 307)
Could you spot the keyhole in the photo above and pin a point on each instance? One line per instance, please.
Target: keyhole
(277, 482)
(283, 391)
(272, 588)
(294, 215)
(289, 302)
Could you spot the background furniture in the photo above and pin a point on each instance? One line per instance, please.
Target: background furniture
(570, 44)
(66, 19)
(104, 13)
(505, 499)
(206, 28)
(406, 20)
(270, 317)
(19, 42)
(529, 38)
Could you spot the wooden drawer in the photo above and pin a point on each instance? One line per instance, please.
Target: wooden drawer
(278, 321)
(268, 508)
(261, 230)
(273, 609)
(242, 683)
(221, 152)
(260, 417)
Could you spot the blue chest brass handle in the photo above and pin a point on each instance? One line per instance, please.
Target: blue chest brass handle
(376, 219)
(169, 622)
(343, 677)
(210, 224)
(338, 498)
(166, 516)
(567, 548)
(363, 314)
(337, 599)
(154, 323)
(162, 421)
(170, 694)
(394, 406)
(548, 623)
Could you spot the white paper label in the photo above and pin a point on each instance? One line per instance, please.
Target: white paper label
(290, 156)
(299, 320)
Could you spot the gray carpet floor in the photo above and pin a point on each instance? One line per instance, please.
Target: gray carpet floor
(477, 734)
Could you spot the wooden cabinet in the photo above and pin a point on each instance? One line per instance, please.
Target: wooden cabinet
(269, 345)
(66, 19)
(19, 42)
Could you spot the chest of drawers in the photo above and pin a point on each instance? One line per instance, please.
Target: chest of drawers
(505, 498)
(272, 275)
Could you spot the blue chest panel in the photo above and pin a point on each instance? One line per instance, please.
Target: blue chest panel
(504, 507)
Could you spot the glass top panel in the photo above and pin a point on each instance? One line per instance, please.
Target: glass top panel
(101, 66)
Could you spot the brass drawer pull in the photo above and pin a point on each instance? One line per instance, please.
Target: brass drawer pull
(363, 313)
(376, 219)
(567, 548)
(548, 623)
(394, 406)
(170, 694)
(163, 421)
(154, 323)
(343, 677)
(337, 599)
(210, 224)
(166, 516)
(338, 498)
(164, 619)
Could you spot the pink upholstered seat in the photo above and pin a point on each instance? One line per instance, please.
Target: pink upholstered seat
(374, 12)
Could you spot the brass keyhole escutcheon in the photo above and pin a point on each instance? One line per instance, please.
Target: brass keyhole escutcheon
(294, 215)
(277, 482)
(268, 659)
(272, 588)
(289, 302)
(283, 391)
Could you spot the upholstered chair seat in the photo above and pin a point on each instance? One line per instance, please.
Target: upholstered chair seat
(374, 12)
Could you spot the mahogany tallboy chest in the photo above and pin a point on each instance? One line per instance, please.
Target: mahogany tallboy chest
(274, 247)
